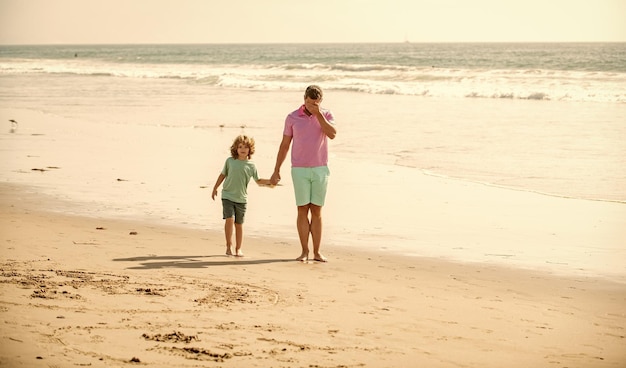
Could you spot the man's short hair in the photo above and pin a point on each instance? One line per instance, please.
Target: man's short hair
(313, 92)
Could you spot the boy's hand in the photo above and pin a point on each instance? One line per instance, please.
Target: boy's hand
(214, 194)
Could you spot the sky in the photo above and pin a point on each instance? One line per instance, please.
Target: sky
(291, 21)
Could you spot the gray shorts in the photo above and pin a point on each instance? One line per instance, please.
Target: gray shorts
(230, 209)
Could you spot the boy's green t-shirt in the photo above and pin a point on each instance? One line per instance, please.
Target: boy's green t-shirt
(238, 174)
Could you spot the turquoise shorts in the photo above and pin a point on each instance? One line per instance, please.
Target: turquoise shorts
(310, 184)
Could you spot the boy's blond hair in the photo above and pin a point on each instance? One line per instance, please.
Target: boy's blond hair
(248, 141)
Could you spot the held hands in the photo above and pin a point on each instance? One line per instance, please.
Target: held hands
(275, 178)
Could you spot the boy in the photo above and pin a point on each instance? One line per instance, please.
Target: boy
(236, 174)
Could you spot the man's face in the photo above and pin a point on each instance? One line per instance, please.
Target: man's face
(312, 104)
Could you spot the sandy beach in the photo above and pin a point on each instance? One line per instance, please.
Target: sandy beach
(81, 291)
(113, 254)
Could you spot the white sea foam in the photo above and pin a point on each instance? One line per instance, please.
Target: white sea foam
(534, 84)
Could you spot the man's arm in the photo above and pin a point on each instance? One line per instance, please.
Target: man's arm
(280, 158)
(327, 128)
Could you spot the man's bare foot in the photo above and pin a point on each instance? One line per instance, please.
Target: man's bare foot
(320, 258)
(229, 252)
(238, 253)
(303, 257)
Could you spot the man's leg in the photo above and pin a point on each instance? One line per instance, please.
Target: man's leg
(304, 229)
(316, 231)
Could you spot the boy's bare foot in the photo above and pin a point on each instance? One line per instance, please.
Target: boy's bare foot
(320, 258)
(238, 253)
(303, 257)
(229, 252)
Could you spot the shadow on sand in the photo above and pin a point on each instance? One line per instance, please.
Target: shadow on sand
(154, 262)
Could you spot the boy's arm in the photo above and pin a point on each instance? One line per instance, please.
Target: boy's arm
(219, 181)
(264, 182)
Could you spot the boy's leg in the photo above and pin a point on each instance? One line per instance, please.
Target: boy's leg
(240, 215)
(228, 210)
(238, 239)
(228, 232)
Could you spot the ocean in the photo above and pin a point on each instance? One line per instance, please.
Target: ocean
(568, 140)
(591, 72)
(543, 118)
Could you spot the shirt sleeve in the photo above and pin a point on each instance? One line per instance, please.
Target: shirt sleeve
(253, 172)
(329, 117)
(288, 130)
(225, 168)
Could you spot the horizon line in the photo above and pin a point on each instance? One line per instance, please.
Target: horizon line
(300, 43)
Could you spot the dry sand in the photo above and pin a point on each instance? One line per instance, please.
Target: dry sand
(79, 291)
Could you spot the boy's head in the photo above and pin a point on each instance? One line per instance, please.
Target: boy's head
(243, 141)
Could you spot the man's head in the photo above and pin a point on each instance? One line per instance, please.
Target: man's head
(313, 92)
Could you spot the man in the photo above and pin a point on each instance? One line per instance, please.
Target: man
(309, 128)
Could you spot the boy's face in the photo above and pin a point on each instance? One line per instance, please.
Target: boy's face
(243, 150)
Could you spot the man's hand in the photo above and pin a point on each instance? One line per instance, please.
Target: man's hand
(275, 178)
(312, 106)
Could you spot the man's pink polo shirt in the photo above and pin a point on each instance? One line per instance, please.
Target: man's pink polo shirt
(309, 144)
